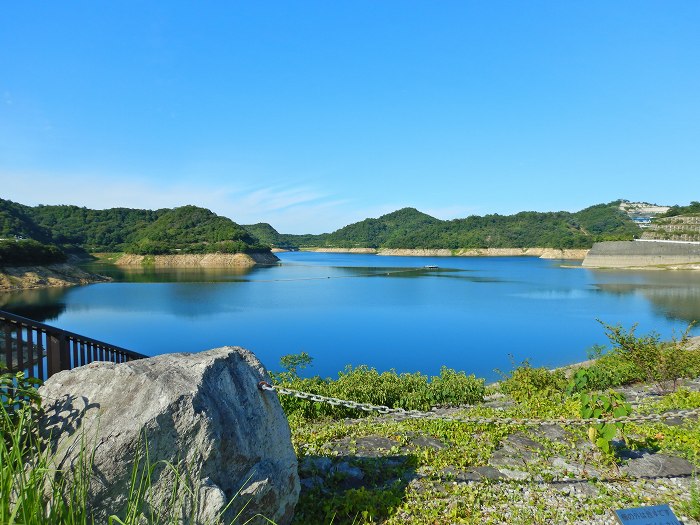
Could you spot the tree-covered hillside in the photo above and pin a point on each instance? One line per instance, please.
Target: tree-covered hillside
(190, 229)
(93, 230)
(16, 221)
(268, 236)
(409, 228)
(389, 230)
(692, 209)
(181, 230)
(28, 252)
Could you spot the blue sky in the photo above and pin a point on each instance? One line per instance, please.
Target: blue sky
(311, 115)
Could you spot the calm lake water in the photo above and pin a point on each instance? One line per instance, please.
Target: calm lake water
(387, 312)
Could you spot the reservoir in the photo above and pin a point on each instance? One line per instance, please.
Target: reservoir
(476, 314)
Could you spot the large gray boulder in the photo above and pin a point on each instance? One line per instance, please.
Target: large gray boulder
(202, 413)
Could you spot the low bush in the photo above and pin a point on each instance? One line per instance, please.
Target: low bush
(366, 385)
(634, 359)
(526, 382)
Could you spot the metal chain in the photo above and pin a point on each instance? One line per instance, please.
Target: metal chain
(417, 414)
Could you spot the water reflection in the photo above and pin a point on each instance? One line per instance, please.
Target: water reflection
(151, 274)
(44, 304)
(674, 295)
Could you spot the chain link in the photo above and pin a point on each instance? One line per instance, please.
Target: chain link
(417, 414)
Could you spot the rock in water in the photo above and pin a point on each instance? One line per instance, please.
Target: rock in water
(200, 411)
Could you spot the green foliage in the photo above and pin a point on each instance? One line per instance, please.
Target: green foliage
(692, 508)
(452, 388)
(661, 364)
(525, 382)
(392, 230)
(187, 229)
(190, 229)
(366, 385)
(28, 252)
(92, 230)
(361, 505)
(635, 359)
(610, 369)
(20, 405)
(599, 406)
(16, 220)
(692, 208)
(268, 236)
(409, 228)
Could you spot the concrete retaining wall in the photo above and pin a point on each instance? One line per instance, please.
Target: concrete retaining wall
(631, 254)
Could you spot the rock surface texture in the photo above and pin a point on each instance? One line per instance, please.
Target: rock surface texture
(196, 260)
(27, 277)
(202, 411)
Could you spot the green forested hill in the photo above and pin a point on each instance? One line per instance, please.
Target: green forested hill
(93, 230)
(692, 209)
(409, 228)
(268, 236)
(16, 221)
(389, 230)
(188, 229)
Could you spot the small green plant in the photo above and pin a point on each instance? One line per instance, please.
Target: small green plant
(21, 405)
(599, 406)
(692, 508)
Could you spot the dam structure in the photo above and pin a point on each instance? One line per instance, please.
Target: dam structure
(644, 254)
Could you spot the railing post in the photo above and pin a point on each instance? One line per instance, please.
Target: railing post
(58, 353)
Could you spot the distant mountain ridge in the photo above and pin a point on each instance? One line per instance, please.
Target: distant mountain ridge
(412, 229)
(190, 229)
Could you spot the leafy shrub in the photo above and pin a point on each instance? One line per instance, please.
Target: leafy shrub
(366, 385)
(656, 362)
(456, 388)
(526, 382)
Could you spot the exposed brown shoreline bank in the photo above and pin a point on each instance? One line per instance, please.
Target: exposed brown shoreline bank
(13, 278)
(195, 260)
(543, 253)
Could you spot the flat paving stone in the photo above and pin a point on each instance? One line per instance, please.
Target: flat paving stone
(424, 441)
(368, 446)
(658, 466)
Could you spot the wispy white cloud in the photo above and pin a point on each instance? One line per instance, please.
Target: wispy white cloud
(286, 207)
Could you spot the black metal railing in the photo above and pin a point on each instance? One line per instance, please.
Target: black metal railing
(41, 350)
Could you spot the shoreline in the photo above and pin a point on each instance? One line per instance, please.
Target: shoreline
(542, 253)
(198, 260)
(17, 278)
